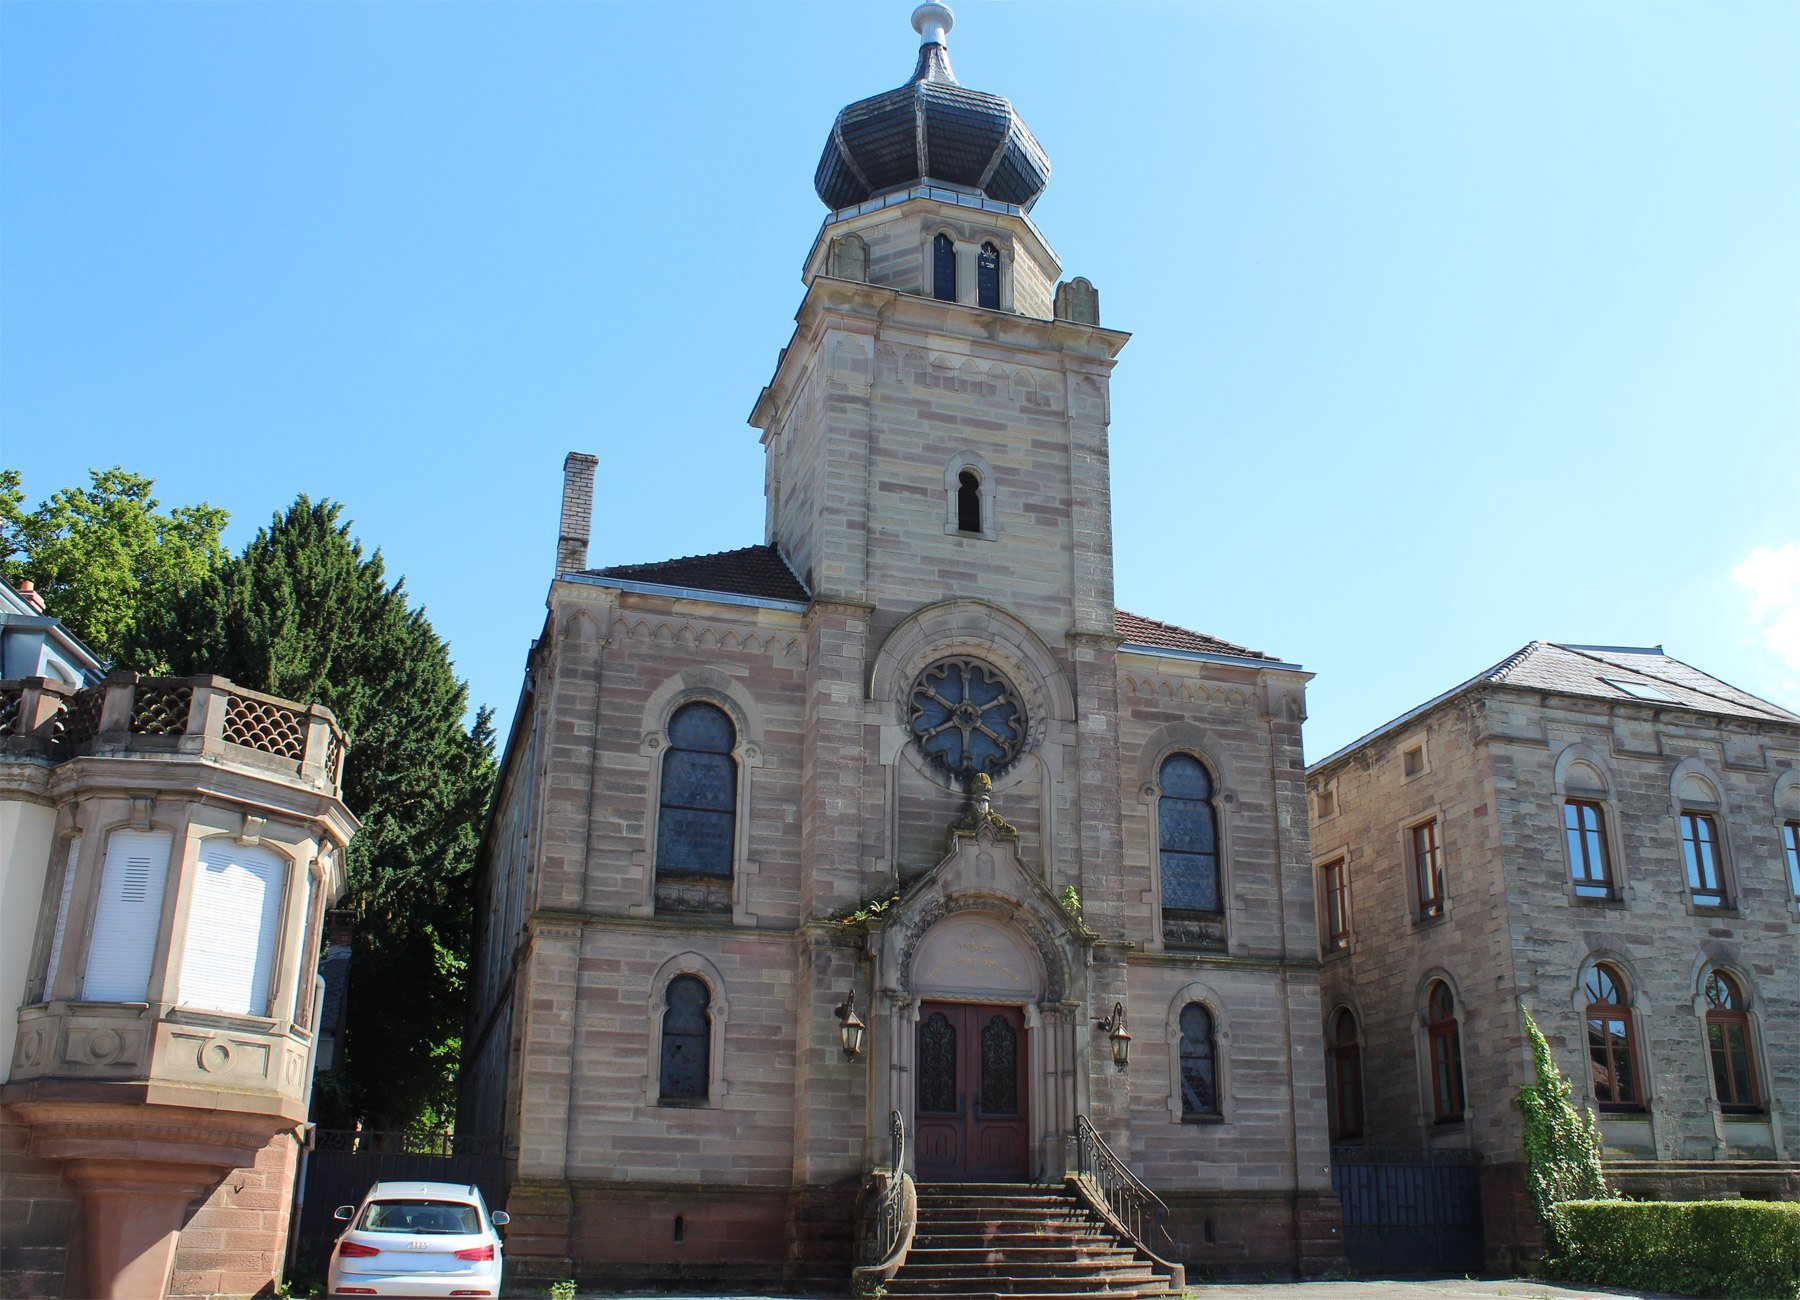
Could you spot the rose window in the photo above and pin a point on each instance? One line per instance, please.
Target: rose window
(967, 717)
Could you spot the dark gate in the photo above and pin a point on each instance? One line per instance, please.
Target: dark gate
(1409, 1211)
(340, 1167)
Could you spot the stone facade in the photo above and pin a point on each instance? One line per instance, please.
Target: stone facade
(191, 842)
(937, 491)
(1494, 764)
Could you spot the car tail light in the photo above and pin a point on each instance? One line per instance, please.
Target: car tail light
(354, 1290)
(475, 1252)
(356, 1250)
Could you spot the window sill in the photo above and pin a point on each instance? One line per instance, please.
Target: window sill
(1596, 900)
(1446, 1125)
(1713, 909)
(1202, 1119)
(685, 1103)
(1612, 1110)
(1420, 921)
(1744, 1114)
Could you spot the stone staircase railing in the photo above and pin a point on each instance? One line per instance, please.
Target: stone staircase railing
(890, 1217)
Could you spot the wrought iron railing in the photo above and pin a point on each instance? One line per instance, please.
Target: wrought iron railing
(1123, 1192)
(890, 1210)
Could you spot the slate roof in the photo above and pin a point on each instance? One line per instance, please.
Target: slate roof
(758, 571)
(1637, 674)
(931, 128)
(1166, 636)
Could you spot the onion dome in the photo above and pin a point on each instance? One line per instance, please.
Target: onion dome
(931, 129)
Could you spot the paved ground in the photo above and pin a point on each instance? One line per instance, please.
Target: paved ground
(1445, 1289)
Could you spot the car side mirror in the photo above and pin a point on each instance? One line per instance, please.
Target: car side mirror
(343, 1212)
(500, 1218)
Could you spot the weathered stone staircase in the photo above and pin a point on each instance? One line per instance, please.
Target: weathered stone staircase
(1020, 1240)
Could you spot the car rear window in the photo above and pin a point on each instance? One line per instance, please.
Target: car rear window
(421, 1216)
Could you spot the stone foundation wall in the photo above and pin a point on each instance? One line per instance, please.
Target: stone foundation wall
(642, 1233)
(1221, 1235)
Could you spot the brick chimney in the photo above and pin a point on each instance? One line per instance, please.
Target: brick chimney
(577, 512)
(27, 590)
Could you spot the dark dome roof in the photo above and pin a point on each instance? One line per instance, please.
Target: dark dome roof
(931, 128)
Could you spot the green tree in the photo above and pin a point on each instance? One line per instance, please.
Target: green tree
(303, 613)
(109, 563)
(1562, 1145)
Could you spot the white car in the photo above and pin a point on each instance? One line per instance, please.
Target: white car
(417, 1239)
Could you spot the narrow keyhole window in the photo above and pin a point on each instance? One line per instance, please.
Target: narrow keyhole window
(968, 502)
(987, 276)
(943, 268)
(680, 1227)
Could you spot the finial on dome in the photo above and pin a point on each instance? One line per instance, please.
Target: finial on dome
(933, 22)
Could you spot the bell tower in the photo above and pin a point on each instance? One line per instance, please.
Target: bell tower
(937, 428)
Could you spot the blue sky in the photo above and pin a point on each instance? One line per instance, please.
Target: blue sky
(1456, 324)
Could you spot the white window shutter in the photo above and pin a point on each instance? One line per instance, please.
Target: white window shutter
(232, 928)
(62, 919)
(123, 946)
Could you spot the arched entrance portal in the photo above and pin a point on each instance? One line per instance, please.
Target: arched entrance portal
(976, 978)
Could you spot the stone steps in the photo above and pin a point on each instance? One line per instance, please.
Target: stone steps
(1018, 1240)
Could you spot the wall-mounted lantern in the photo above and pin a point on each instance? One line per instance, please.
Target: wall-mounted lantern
(1120, 1041)
(850, 1027)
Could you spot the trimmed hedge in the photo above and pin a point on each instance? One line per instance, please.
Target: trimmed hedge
(1711, 1248)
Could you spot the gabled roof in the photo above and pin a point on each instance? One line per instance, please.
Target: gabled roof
(762, 572)
(758, 571)
(1158, 635)
(1628, 674)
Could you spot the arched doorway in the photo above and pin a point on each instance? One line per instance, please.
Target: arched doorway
(978, 981)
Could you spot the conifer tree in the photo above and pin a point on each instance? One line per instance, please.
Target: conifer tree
(303, 613)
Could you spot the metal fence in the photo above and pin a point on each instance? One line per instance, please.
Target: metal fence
(1409, 1211)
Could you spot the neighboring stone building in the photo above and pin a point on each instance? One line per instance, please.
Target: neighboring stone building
(170, 848)
(1608, 836)
(719, 759)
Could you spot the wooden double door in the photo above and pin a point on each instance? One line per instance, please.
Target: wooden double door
(969, 1107)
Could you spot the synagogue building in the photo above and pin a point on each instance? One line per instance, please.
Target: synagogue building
(887, 845)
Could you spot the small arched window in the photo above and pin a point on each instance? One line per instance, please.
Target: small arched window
(943, 268)
(1199, 1064)
(1444, 1043)
(1187, 827)
(987, 276)
(1728, 1041)
(1346, 1075)
(1612, 1053)
(686, 1040)
(968, 502)
(696, 826)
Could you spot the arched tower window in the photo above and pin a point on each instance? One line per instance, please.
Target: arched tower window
(1612, 1051)
(686, 1038)
(1728, 1042)
(1443, 1038)
(1187, 826)
(1199, 1064)
(696, 825)
(943, 268)
(1346, 1075)
(968, 502)
(987, 276)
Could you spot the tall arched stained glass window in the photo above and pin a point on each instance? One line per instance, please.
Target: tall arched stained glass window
(697, 821)
(987, 276)
(943, 268)
(686, 1040)
(1199, 1064)
(1187, 826)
